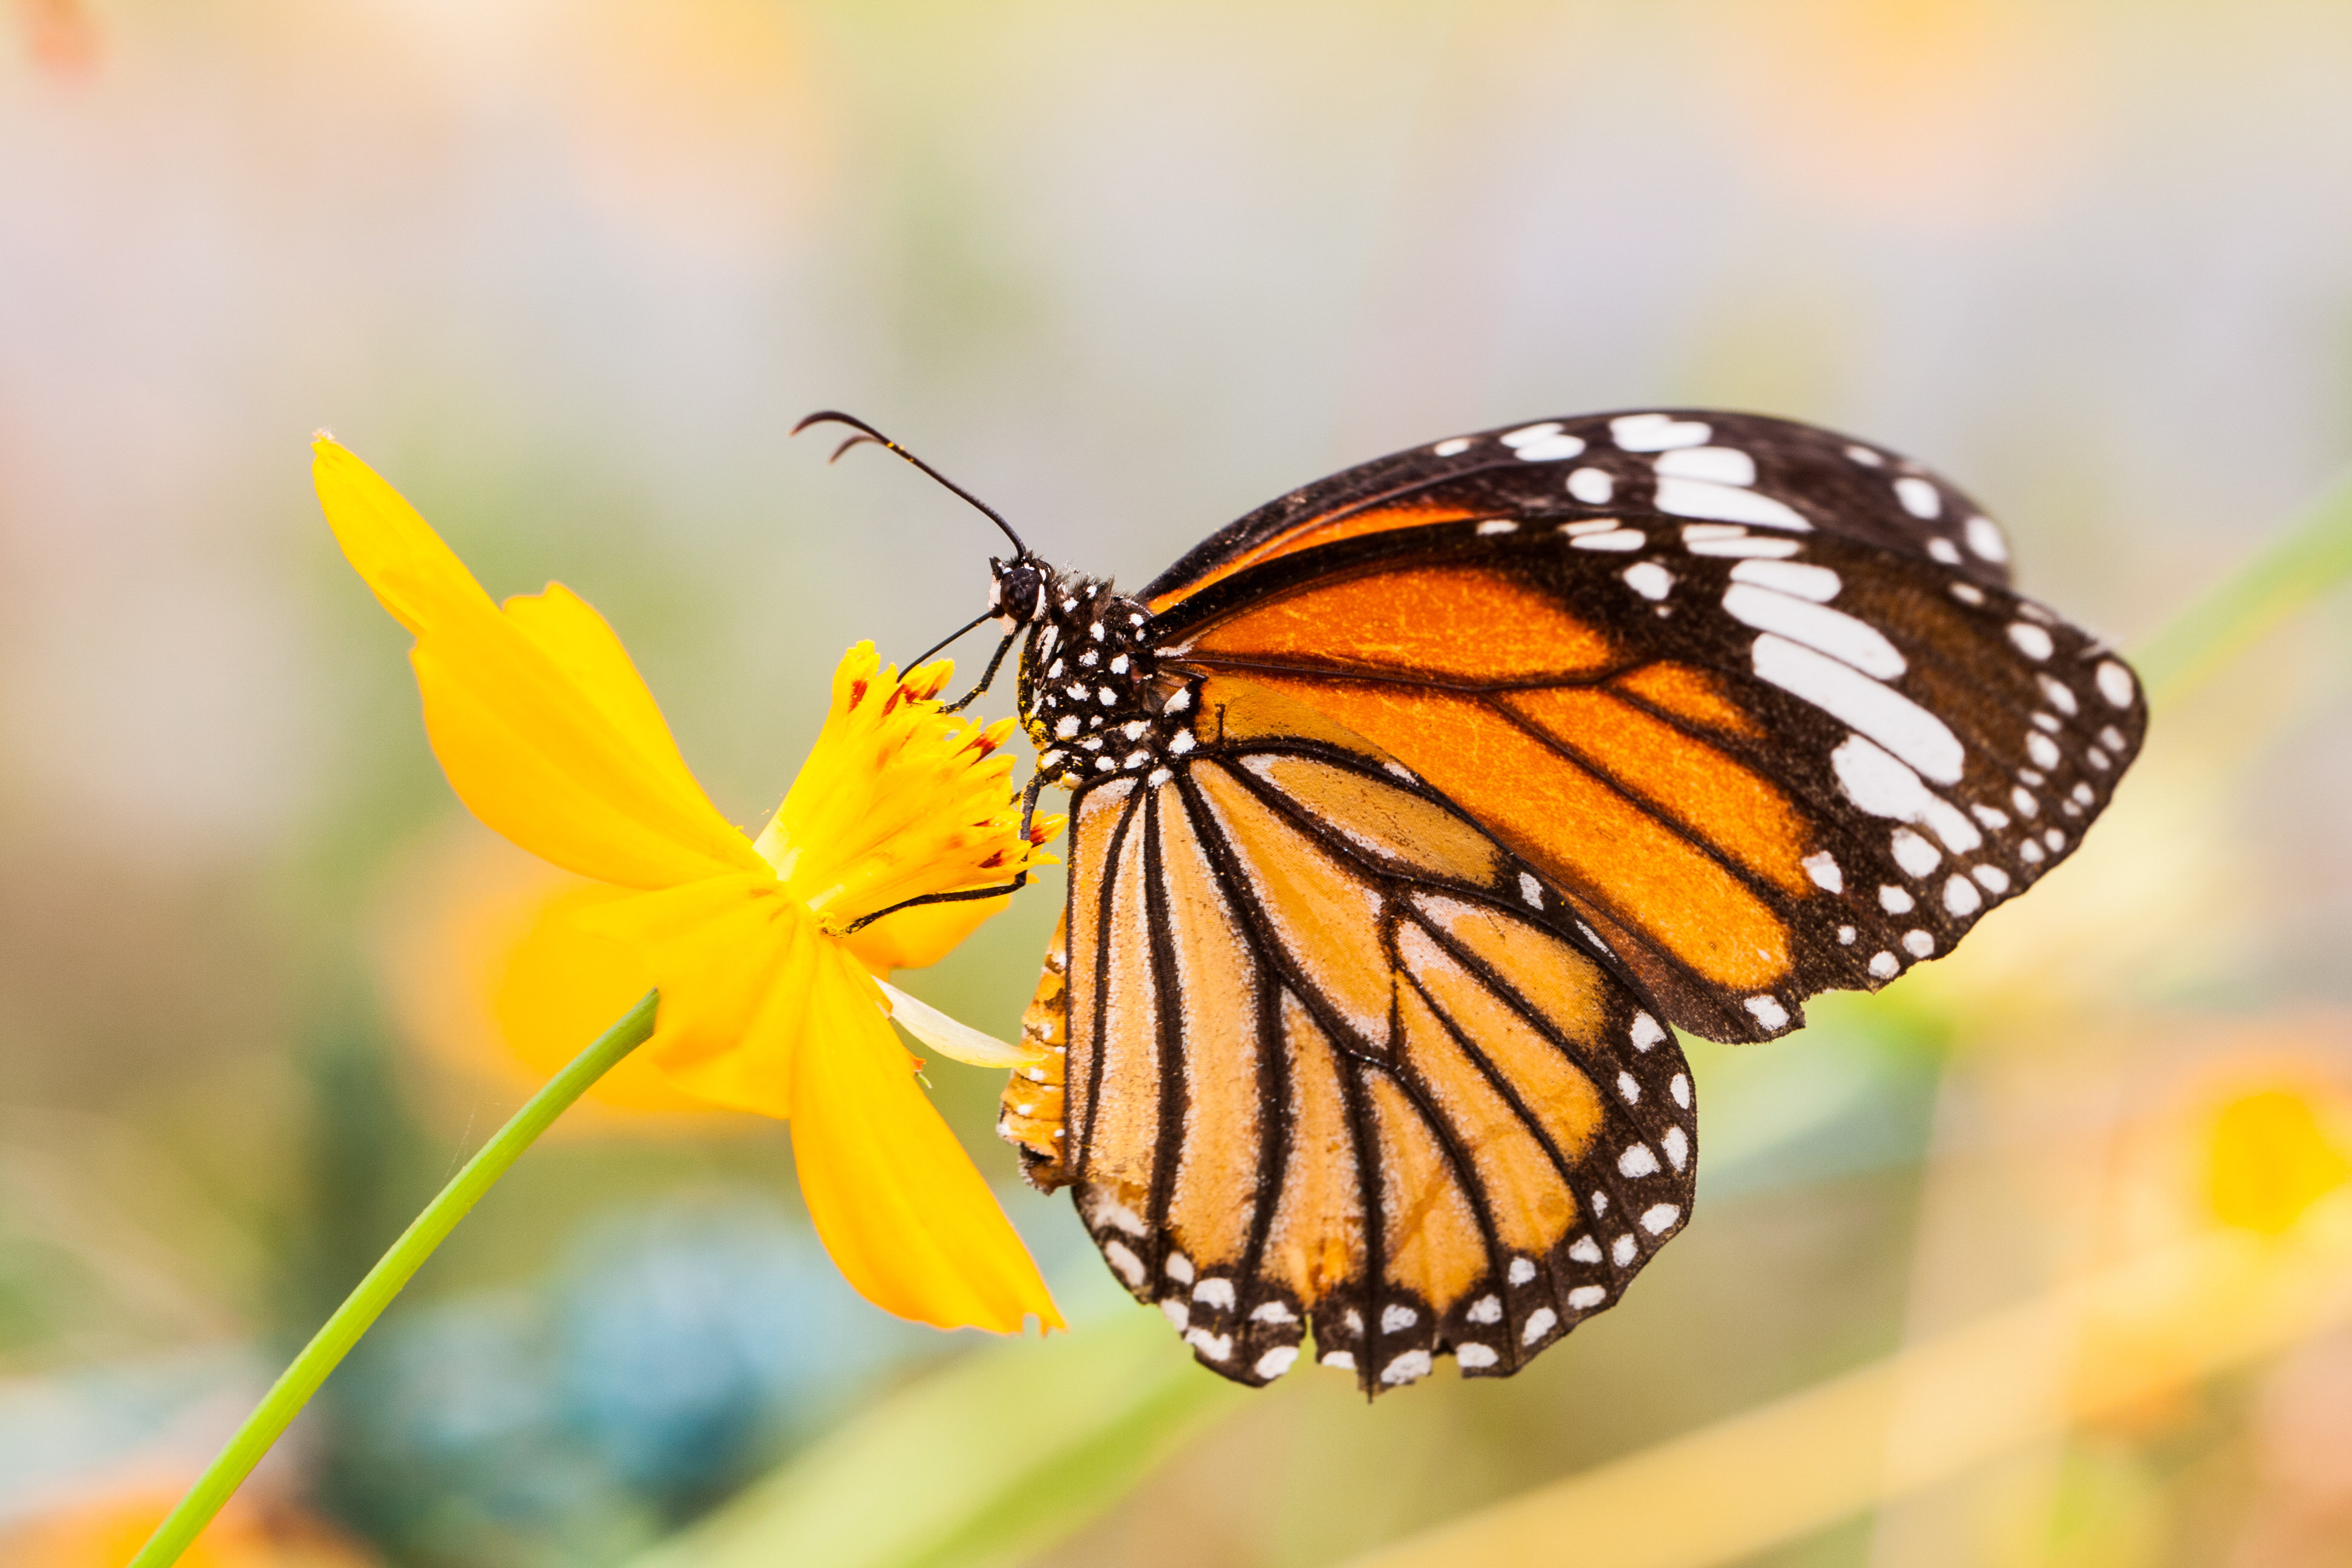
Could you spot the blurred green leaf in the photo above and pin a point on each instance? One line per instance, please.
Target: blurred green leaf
(983, 1463)
(2313, 555)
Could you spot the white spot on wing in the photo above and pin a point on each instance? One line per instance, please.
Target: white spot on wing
(1919, 497)
(1984, 538)
(1594, 487)
(1615, 539)
(1896, 900)
(1884, 966)
(1725, 503)
(1823, 868)
(1539, 1323)
(1485, 1310)
(1120, 1256)
(1657, 432)
(1545, 443)
(1832, 632)
(1112, 1212)
(1475, 1356)
(1498, 525)
(1913, 853)
(1717, 464)
(1586, 1250)
(1646, 1031)
(1897, 723)
(1277, 1361)
(1638, 1160)
(1454, 449)
(2116, 685)
(1769, 1013)
(1885, 786)
(1738, 544)
(1584, 1297)
(1658, 1219)
(1410, 1367)
(1817, 583)
(1961, 898)
(1649, 579)
(1521, 1271)
(1676, 1143)
(1531, 890)
(2031, 640)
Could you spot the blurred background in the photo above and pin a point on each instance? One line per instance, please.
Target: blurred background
(566, 271)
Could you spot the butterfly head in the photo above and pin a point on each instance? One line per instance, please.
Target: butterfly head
(1017, 590)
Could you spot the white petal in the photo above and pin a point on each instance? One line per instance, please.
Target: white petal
(950, 1038)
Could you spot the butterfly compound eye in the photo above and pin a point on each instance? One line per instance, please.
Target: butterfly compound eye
(1016, 591)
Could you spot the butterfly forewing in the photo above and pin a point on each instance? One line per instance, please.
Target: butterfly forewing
(1758, 777)
(1729, 471)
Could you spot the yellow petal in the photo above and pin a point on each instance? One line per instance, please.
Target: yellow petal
(489, 973)
(916, 938)
(731, 956)
(541, 723)
(900, 1208)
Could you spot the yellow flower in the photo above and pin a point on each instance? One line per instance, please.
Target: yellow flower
(769, 1002)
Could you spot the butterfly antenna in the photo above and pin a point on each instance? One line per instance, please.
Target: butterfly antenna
(917, 662)
(866, 433)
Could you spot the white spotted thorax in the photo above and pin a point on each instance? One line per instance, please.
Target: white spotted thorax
(1088, 693)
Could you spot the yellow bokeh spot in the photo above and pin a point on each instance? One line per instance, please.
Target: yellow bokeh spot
(106, 1534)
(2270, 1156)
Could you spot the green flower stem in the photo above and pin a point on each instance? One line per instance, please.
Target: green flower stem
(2311, 556)
(361, 1309)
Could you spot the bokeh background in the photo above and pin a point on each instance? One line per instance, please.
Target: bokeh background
(567, 270)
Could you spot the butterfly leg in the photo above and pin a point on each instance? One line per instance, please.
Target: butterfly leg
(1020, 879)
(960, 703)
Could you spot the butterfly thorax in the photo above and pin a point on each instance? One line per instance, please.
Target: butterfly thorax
(1089, 691)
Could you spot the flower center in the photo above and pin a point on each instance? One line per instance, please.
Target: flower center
(896, 800)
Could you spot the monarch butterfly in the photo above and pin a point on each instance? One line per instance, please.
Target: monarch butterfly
(1410, 809)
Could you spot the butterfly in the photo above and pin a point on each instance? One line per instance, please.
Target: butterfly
(1409, 811)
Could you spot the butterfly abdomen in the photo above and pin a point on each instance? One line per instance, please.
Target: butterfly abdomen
(1032, 1115)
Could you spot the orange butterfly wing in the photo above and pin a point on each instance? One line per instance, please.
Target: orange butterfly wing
(1334, 1057)
(1686, 715)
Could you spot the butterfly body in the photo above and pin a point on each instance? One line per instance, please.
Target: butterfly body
(1409, 810)
(1089, 691)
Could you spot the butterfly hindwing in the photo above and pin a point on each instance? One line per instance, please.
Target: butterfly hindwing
(1336, 1058)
